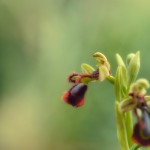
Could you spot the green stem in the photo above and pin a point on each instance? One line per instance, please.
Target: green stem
(129, 127)
(111, 79)
(121, 129)
(124, 123)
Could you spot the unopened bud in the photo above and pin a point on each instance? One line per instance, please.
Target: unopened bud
(133, 68)
(129, 58)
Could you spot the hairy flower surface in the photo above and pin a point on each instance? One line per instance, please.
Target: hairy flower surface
(141, 132)
(75, 95)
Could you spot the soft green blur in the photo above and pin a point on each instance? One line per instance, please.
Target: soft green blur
(41, 42)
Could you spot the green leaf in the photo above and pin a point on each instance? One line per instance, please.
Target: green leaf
(121, 83)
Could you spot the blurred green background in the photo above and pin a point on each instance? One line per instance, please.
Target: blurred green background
(41, 42)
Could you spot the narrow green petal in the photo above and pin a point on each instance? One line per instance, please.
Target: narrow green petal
(87, 68)
(104, 72)
(127, 105)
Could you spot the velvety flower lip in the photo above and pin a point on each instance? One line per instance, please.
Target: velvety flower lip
(141, 133)
(75, 95)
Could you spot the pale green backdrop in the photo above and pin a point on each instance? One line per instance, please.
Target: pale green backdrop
(41, 42)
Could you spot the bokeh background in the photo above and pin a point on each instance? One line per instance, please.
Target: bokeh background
(41, 42)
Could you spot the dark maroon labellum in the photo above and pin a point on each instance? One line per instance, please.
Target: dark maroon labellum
(141, 134)
(75, 96)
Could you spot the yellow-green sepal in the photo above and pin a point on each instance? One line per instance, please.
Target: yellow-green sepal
(87, 69)
(103, 72)
(100, 57)
(127, 105)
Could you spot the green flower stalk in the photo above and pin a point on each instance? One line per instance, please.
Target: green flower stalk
(130, 97)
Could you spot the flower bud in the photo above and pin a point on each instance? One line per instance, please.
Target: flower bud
(120, 61)
(133, 68)
(129, 58)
